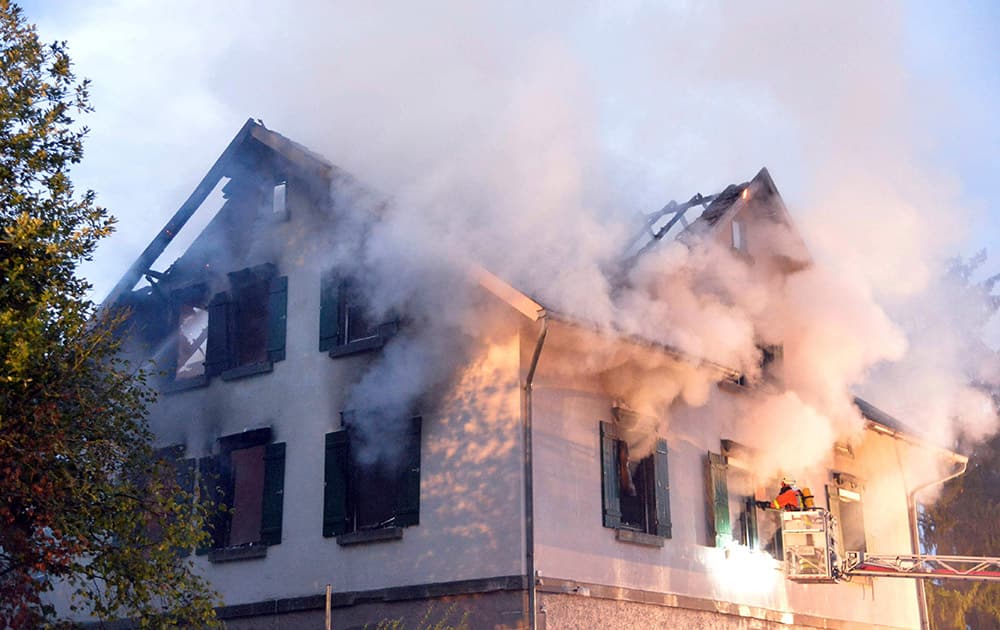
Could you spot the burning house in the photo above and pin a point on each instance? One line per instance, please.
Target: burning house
(508, 458)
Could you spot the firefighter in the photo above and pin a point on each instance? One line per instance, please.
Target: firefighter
(789, 497)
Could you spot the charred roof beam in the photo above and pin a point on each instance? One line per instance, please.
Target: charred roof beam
(678, 210)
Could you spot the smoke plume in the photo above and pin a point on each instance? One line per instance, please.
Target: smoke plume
(528, 140)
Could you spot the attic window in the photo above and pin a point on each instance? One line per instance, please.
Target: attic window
(739, 236)
(278, 205)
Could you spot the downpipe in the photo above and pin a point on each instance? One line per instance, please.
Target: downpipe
(529, 502)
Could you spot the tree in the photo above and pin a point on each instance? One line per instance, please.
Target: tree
(84, 502)
(963, 521)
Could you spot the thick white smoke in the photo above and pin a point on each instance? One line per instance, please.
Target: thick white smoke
(528, 139)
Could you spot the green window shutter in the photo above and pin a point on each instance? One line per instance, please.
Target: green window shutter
(718, 499)
(218, 356)
(408, 498)
(610, 485)
(274, 491)
(329, 312)
(277, 310)
(335, 517)
(750, 514)
(211, 484)
(662, 474)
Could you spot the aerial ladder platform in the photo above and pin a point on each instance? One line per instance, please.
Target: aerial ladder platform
(810, 556)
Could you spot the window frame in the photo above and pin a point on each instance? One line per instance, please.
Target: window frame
(340, 500)
(658, 526)
(338, 297)
(719, 500)
(216, 484)
(738, 229)
(195, 295)
(224, 336)
(841, 481)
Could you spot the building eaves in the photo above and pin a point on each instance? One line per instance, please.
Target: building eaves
(882, 422)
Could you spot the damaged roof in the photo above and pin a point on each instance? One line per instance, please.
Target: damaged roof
(244, 151)
(240, 154)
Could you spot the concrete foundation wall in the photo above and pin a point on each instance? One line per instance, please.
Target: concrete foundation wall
(488, 611)
(569, 612)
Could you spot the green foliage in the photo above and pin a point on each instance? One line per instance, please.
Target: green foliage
(80, 500)
(963, 521)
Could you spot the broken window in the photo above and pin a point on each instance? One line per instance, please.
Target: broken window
(346, 324)
(635, 485)
(372, 474)
(733, 491)
(247, 477)
(192, 341)
(246, 325)
(190, 323)
(186, 312)
(844, 496)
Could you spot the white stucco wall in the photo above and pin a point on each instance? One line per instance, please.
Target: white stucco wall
(573, 544)
(471, 480)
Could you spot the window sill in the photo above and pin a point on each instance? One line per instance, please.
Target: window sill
(370, 536)
(243, 371)
(232, 554)
(182, 385)
(357, 347)
(638, 538)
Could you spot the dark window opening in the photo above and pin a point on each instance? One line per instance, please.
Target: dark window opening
(771, 358)
(377, 485)
(635, 490)
(246, 479)
(637, 499)
(251, 322)
(246, 326)
(741, 505)
(346, 322)
(371, 487)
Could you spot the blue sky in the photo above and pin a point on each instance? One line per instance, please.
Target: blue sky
(673, 98)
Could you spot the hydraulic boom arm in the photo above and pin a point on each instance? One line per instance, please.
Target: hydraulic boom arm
(919, 566)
